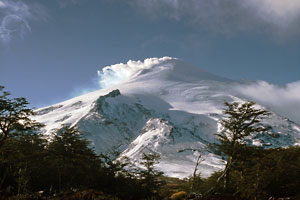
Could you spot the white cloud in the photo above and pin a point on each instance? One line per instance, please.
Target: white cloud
(278, 9)
(283, 14)
(277, 17)
(2, 4)
(284, 100)
(114, 74)
(14, 18)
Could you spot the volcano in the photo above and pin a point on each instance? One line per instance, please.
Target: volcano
(161, 105)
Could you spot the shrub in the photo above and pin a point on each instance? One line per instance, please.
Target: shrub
(179, 196)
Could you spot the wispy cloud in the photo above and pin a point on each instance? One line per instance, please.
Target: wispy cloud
(278, 12)
(277, 17)
(2, 5)
(284, 100)
(15, 17)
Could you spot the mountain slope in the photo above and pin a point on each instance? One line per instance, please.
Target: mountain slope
(161, 105)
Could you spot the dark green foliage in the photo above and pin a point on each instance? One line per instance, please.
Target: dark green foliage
(14, 115)
(32, 164)
(21, 158)
(259, 174)
(16, 146)
(116, 177)
(71, 159)
(266, 173)
(63, 163)
(129, 182)
(66, 164)
(251, 172)
(240, 121)
(150, 176)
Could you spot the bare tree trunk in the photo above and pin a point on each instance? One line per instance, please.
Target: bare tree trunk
(195, 172)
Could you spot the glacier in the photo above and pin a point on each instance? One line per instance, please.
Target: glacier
(161, 105)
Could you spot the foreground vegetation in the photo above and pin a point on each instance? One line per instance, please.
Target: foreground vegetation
(64, 166)
(30, 171)
(30, 164)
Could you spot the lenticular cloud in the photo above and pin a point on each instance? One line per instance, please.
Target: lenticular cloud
(114, 74)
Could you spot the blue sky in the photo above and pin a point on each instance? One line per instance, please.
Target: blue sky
(50, 50)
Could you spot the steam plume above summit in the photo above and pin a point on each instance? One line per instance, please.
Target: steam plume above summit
(114, 74)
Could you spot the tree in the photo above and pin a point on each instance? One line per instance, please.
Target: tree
(73, 161)
(23, 167)
(149, 176)
(14, 119)
(241, 120)
(14, 115)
